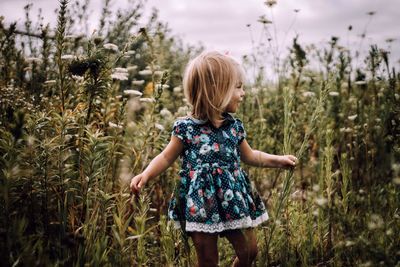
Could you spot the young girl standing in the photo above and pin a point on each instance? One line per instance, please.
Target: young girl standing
(215, 197)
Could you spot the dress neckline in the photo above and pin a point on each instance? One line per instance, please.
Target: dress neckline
(227, 118)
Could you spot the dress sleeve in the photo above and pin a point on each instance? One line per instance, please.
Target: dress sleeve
(179, 130)
(241, 131)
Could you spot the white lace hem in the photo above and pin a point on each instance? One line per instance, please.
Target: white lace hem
(223, 226)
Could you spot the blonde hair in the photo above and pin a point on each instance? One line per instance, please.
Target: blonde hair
(209, 82)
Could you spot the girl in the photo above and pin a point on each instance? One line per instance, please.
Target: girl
(215, 196)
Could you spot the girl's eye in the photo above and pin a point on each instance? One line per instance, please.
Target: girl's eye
(239, 85)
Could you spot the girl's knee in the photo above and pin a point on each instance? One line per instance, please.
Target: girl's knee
(248, 254)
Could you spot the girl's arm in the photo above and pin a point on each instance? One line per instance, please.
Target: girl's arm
(261, 159)
(159, 164)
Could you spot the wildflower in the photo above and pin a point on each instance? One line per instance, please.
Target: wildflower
(111, 47)
(161, 86)
(113, 125)
(165, 113)
(315, 212)
(396, 181)
(270, 3)
(334, 93)
(138, 82)
(349, 243)
(132, 92)
(321, 201)
(147, 100)
(67, 57)
(130, 52)
(315, 188)
(159, 126)
(352, 117)
(375, 222)
(177, 89)
(122, 70)
(145, 72)
(308, 94)
(77, 78)
(360, 82)
(120, 74)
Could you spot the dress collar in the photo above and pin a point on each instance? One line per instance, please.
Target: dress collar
(227, 118)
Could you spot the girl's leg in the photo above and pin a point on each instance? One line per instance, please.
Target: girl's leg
(206, 248)
(244, 243)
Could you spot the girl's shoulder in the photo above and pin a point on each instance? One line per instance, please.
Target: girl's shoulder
(188, 120)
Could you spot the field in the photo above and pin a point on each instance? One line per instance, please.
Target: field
(80, 115)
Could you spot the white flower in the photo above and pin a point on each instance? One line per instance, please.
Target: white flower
(138, 82)
(121, 70)
(161, 86)
(202, 212)
(145, 72)
(396, 181)
(177, 89)
(224, 204)
(113, 125)
(215, 217)
(334, 93)
(67, 57)
(159, 126)
(132, 92)
(360, 82)
(158, 72)
(111, 47)
(353, 117)
(120, 76)
(228, 195)
(308, 94)
(130, 52)
(321, 201)
(165, 113)
(204, 149)
(147, 100)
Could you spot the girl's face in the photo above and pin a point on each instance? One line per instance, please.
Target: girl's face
(237, 97)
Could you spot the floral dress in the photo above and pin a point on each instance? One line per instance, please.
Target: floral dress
(214, 194)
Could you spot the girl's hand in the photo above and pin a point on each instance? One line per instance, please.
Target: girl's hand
(138, 182)
(288, 161)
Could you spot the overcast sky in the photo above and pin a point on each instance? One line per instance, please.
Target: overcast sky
(222, 24)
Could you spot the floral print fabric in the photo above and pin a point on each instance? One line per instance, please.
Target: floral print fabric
(214, 193)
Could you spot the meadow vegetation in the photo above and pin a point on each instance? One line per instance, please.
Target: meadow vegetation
(81, 113)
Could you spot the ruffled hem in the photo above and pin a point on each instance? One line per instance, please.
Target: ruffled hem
(245, 222)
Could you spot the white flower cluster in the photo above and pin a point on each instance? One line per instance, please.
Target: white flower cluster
(120, 74)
